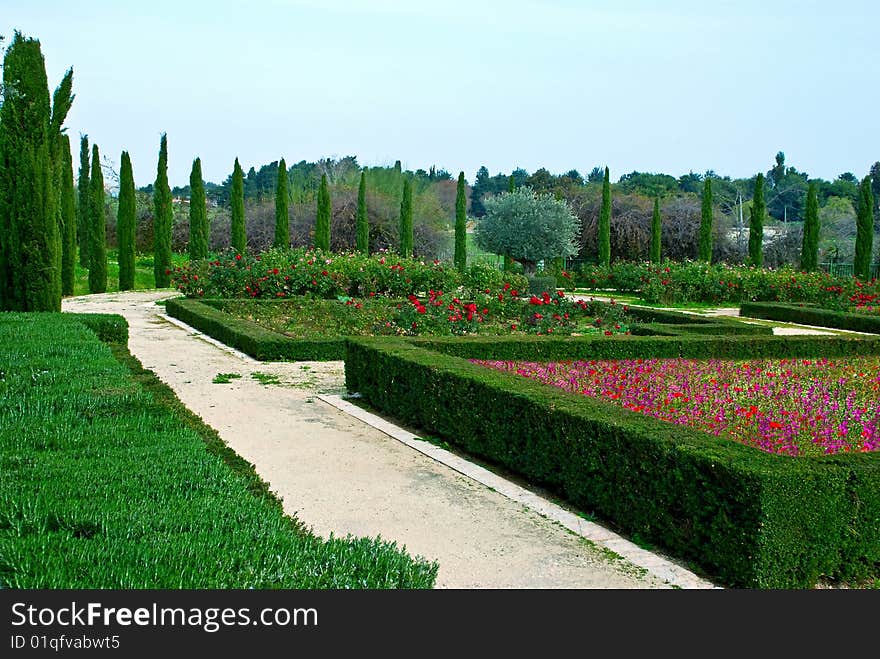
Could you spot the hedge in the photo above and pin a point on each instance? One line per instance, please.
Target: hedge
(810, 315)
(747, 518)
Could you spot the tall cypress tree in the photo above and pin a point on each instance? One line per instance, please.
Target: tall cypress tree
(705, 246)
(864, 231)
(508, 261)
(406, 220)
(126, 219)
(363, 222)
(97, 228)
(655, 232)
(810, 243)
(239, 234)
(162, 219)
(323, 215)
(68, 220)
(756, 224)
(198, 214)
(282, 198)
(460, 258)
(605, 223)
(82, 202)
(30, 180)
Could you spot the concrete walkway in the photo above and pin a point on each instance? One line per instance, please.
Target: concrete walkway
(343, 475)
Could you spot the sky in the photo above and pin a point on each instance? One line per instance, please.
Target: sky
(670, 87)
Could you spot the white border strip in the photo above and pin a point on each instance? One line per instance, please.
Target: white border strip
(204, 337)
(656, 565)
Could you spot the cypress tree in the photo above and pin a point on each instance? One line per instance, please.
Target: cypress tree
(605, 223)
(756, 224)
(705, 246)
(655, 232)
(97, 228)
(198, 214)
(162, 219)
(363, 222)
(126, 219)
(810, 243)
(511, 184)
(864, 231)
(82, 202)
(460, 258)
(322, 217)
(282, 198)
(511, 187)
(68, 220)
(406, 220)
(239, 235)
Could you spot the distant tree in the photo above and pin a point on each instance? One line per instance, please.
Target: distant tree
(82, 202)
(323, 216)
(596, 175)
(690, 182)
(756, 224)
(655, 232)
(461, 224)
(810, 241)
(541, 180)
(705, 246)
(875, 186)
(778, 172)
(363, 221)
(864, 231)
(481, 187)
(237, 227)
(68, 220)
(162, 219)
(528, 227)
(199, 231)
(605, 223)
(97, 228)
(406, 220)
(126, 220)
(511, 183)
(282, 198)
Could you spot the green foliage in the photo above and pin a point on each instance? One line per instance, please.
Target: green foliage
(97, 228)
(605, 223)
(656, 229)
(323, 216)
(810, 243)
(362, 221)
(405, 247)
(126, 221)
(810, 315)
(704, 252)
(528, 227)
(199, 229)
(239, 236)
(757, 213)
(162, 219)
(864, 231)
(460, 258)
(68, 220)
(82, 202)
(282, 199)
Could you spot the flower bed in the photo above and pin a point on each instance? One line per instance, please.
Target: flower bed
(787, 406)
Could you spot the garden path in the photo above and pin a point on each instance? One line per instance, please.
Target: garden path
(340, 475)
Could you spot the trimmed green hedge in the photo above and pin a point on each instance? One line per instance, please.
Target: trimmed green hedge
(747, 518)
(810, 315)
(250, 338)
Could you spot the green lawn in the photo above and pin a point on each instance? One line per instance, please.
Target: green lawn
(143, 272)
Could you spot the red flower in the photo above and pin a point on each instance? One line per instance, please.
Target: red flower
(607, 332)
(238, 257)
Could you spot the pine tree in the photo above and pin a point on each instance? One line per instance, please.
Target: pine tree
(162, 219)
(810, 244)
(363, 222)
(323, 215)
(68, 220)
(82, 202)
(126, 221)
(655, 232)
(199, 231)
(406, 220)
(97, 228)
(756, 224)
(705, 246)
(282, 199)
(605, 223)
(460, 258)
(239, 234)
(864, 231)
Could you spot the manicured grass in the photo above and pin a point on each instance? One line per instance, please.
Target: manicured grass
(109, 482)
(143, 272)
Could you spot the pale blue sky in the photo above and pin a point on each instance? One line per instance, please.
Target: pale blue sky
(649, 86)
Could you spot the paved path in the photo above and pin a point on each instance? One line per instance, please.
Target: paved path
(340, 475)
